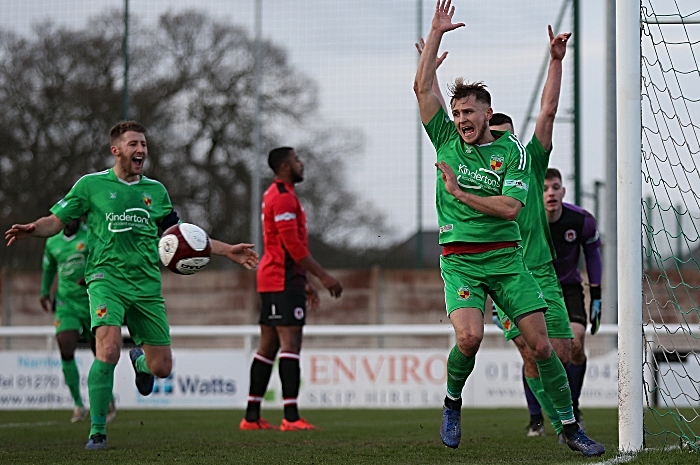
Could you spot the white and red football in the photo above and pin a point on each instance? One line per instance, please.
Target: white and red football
(184, 248)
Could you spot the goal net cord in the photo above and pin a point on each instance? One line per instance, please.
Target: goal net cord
(671, 184)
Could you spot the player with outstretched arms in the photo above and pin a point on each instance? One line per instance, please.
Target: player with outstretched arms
(125, 213)
(476, 209)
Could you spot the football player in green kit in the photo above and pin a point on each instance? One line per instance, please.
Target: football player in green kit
(125, 212)
(65, 255)
(537, 241)
(477, 208)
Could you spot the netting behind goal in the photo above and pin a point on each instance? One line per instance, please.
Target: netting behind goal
(671, 214)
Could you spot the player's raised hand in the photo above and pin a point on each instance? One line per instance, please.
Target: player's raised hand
(243, 254)
(448, 177)
(19, 231)
(421, 45)
(557, 45)
(442, 19)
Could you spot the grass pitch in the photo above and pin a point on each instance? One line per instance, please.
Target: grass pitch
(490, 436)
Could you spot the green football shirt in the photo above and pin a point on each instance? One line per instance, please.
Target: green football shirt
(65, 256)
(499, 168)
(122, 220)
(534, 227)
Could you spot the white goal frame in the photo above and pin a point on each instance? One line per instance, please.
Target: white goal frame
(629, 225)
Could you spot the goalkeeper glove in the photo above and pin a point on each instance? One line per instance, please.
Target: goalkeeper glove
(494, 316)
(595, 310)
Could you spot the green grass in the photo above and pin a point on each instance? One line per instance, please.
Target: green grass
(490, 436)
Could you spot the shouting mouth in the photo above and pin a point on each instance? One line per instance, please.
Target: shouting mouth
(468, 132)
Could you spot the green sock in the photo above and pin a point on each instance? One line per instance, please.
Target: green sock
(459, 367)
(538, 390)
(72, 377)
(556, 386)
(100, 384)
(141, 366)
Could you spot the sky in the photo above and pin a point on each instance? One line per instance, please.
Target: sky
(362, 56)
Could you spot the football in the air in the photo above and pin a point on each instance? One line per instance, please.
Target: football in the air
(184, 248)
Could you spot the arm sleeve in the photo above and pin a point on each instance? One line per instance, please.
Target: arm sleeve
(516, 181)
(440, 129)
(74, 204)
(539, 157)
(591, 250)
(168, 220)
(286, 221)
(48, 266)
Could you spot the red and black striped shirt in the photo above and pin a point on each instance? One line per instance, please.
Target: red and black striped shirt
(285, 240)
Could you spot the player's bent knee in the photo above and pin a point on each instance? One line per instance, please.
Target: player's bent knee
(468, 344)
(108, 353)
(542, 350)
(161, 368)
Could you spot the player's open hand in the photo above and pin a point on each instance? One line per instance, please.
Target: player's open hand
(19, 231)
(421, 45)
(557, 45)
(442, 20)
(448, 177)
(313, 302)
(243, 254)
(332, 284)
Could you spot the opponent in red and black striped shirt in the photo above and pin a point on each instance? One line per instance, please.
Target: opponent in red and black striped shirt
(284, 292)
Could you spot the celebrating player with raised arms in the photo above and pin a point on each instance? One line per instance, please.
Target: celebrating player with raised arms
(483, 181)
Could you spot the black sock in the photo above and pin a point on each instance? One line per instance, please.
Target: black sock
(289, 375)
(260, 372)
(570, 430)
(453, 404)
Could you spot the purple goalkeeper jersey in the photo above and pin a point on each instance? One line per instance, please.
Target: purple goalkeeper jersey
(573, 231)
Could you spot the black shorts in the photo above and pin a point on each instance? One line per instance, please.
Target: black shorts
(286, 308)
(573, 298)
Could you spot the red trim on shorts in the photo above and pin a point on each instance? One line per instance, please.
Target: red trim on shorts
(475, 247)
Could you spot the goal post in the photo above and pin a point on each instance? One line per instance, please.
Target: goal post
(629, 216)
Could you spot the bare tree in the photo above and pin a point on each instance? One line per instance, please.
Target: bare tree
(192, 84)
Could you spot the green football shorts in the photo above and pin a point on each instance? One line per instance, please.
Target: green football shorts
(145, 314)
(73, 315)
(500, 273)
(557, 317)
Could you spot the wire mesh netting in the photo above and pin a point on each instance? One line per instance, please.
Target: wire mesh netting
(670, 150)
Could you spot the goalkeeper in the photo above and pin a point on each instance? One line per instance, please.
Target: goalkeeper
(574, 229)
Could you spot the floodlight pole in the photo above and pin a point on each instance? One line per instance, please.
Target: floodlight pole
(578, 103)
(419, 159)
(610, 203)
(629, 225)
(257, 165)
(125, 55)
